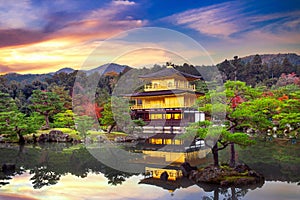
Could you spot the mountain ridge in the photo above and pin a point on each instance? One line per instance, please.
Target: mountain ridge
(269, 59)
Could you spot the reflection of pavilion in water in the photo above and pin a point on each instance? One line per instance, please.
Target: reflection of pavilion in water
(165, 106)
(163, 164)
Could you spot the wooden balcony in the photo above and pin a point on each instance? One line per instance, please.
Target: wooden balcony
(152, 87)
(153, 106)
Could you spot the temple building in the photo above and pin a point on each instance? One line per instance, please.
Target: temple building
(166, 106)
(166, 103)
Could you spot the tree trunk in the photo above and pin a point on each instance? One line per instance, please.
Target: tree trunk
(216, 194)
(111, 128)
(233, 194)
(21, 150)
(232, 150)
(47, 126)
(232, 155)
(21, 138)
(215, 155)
(34, 138)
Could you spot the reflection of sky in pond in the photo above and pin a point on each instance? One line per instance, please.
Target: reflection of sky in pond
(95, 186)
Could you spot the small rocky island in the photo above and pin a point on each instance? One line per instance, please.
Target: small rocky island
(225, 176)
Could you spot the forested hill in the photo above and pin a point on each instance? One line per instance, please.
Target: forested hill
(263, 69)
(260, 69)
(269, 59)
(29, 78)
(26, 78)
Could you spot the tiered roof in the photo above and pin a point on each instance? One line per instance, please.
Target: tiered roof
(169, 72)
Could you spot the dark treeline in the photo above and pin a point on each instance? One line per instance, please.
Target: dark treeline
(254, 71)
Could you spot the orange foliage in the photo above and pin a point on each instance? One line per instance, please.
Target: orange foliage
(284, 97)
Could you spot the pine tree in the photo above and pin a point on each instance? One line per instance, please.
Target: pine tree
(8, 110)
(47, 104)
(12, 121)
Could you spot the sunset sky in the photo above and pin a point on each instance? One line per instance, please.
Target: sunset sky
(43, 36)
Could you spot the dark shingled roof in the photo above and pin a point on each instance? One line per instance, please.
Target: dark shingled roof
(160, 92)
(169, 72)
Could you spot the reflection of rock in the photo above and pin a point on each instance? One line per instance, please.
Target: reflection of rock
(8, 168)
(101, 138)
(240, 176)
(186, 168)
(55, 136)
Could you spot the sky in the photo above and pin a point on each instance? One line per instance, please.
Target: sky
(44, 36)
(95, 187)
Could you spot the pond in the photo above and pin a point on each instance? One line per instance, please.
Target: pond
(64, 171)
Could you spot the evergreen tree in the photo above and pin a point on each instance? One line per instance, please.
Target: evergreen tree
(47, 104)
(83, 124)
(64, 119)
(8, 110)
(224, 103)
(12, 121)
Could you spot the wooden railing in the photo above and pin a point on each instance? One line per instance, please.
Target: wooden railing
(152, 106)
(173, 87)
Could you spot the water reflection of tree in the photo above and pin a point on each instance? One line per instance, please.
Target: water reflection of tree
(43, 177)
(276, 161)
(47, 163)
(227, 194)
(116, 177)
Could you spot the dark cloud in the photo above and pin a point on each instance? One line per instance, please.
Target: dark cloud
(59, 20)
(14, 37)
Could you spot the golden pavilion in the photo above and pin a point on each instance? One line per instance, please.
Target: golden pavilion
(166, 102)
(166, 107)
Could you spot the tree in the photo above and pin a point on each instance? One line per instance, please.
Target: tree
(288, 116)
(257, 114)
(288, 79)
(63, 94)
(225, 102)
(64, 119)
(47, 104)
(117, 112)
(83, 124)
(216, 137)
(8, 110)
(13, 121)
(25, 125)
(107, 118)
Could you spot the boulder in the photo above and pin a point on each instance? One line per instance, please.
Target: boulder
(119, 139)
(55, 136)
(130, 138)
(242, 168)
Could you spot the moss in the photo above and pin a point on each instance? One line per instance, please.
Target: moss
(232, 179)
(226, 167)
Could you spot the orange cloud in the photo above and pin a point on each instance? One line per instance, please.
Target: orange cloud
(64, 42)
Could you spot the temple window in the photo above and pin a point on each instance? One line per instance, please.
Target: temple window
(177, 116)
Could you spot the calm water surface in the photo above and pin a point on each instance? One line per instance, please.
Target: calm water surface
(61, 171)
